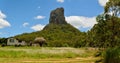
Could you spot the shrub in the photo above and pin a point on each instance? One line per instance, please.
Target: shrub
(112, 55)
(3, 45)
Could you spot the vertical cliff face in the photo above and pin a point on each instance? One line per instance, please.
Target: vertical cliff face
(57, 16)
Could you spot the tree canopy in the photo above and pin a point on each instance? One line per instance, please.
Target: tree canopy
(106, 32)
(113, 7)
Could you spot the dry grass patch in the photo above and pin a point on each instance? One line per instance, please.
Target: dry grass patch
(46, 55)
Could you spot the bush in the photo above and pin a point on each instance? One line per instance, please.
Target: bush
(98, 54)
(3, 45)
(112, 55)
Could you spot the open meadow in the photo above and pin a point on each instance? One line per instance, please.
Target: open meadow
(47, 55)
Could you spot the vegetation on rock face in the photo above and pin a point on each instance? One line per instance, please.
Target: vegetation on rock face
(58, 33)
(57, 36)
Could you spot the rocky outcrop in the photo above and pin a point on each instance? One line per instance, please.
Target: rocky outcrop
(57, 33)
(57, 16)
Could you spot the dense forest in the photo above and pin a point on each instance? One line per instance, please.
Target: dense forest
(104, 34)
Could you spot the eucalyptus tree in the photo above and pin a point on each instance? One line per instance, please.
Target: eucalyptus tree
(106, 32)
(113, 8)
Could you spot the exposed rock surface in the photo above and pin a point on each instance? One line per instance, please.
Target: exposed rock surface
(57, 16)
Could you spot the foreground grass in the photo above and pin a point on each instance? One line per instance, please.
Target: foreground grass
(48, 60)
(46, 55)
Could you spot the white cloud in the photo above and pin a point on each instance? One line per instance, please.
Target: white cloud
(60, 1)
(25, 24)
(81, 21)
(2, 15)
(3, 22)
(103, 2)
(39, 17)
(38, 27)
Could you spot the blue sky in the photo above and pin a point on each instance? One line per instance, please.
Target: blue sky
(25, 16)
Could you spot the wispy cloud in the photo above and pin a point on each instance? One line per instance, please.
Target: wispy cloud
(3, 23)
(60, 1)
(25, 24)
(38, 27)
(0, 33)
(4, 32)
(81, 21)
(103, 2)
(39, 7)
(39, 17)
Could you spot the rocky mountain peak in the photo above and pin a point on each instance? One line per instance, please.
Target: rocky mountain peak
(57, 16)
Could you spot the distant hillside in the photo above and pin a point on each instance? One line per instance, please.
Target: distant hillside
(58, 32)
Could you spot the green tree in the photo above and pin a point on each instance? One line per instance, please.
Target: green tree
(106, 32)
(113, 6)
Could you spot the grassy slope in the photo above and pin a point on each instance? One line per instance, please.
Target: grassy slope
(46, 55)
(56, 35)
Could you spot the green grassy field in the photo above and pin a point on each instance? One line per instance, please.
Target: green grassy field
(46, 55)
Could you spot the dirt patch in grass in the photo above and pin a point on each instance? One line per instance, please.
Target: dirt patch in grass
(49, 60)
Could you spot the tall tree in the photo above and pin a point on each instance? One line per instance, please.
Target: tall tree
(106, 32)
(113, 7)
